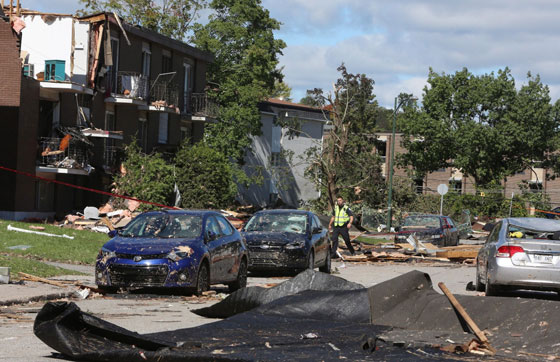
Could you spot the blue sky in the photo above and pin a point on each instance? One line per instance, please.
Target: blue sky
(395, 42)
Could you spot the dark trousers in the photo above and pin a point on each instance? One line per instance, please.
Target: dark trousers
(342, 231)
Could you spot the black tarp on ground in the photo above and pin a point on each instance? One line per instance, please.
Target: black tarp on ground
(406, 311)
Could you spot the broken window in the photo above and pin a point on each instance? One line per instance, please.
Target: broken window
(456, 186)
(278, 222)
(164, 226)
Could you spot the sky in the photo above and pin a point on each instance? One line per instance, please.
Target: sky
(396, 42)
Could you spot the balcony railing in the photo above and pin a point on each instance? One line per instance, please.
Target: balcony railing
(164, 95)
(132, 85)
(63, 153)
(112, 157)
(203, 105)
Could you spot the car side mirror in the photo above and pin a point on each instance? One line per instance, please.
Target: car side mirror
(113, 233)
(317, 230)
(210, 235)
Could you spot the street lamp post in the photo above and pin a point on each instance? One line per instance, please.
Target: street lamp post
(391, 171)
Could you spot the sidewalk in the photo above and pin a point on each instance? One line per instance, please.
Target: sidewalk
(36, 291)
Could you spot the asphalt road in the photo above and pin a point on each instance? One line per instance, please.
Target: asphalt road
(146, 313)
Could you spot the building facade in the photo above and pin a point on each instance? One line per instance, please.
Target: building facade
(80, 90)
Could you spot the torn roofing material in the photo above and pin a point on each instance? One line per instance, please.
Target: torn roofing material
(405, 311)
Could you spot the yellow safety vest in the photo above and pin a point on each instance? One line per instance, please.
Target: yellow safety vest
(340, 215)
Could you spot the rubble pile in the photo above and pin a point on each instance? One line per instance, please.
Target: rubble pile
(103, 219)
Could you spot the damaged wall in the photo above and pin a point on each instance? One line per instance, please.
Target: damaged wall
(10, 72)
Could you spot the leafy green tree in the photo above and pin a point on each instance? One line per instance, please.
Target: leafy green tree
(481, 125)
(168, 17)
(145, 177)
(204, 177)
(282, 91)
(308, 100)
(240, 34)
(346, 163)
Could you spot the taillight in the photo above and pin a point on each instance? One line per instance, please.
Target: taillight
(508, 251)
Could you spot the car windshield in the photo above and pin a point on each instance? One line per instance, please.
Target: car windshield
(277, 222)
(422, 221)
(163, 225)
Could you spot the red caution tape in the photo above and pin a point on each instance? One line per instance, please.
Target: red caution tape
(85, 188)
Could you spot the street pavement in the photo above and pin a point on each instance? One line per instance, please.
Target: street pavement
(145, 313)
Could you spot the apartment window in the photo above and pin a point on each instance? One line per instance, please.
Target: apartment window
(166, 62)
(186, 87)
(109, 143)
(142, 133)
(443, 169)
(115, 67)
(146, 59)
(275, 159)
(535, 186)
(185, 133)
(163, 128)
(419, 185)
(456, 186)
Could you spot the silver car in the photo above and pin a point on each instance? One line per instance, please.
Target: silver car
(520, 253)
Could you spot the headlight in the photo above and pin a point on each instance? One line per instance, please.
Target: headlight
(295, 244)
(106, 253)
(177, 255)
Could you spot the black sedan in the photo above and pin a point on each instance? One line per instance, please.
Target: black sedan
(287, 240)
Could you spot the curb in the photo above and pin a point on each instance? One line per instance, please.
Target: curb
(37, 298)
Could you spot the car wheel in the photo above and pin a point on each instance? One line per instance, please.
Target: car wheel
(479, 286)
(241, 281)
(326, 268)
(202, 280)
(311, 260)
(490, 290)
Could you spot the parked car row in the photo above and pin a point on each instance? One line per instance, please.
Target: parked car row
(195, 249)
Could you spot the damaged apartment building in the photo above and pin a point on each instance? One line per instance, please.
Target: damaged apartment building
(75, 91)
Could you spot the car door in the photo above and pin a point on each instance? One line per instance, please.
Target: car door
(318, 239)
(453, 232)
(232, 248)
(482, 258)
(216, 249)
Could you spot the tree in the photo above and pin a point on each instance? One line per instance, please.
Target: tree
(240, 34)
(346, 163)
(145, 177)
(204, 177)
(282, 91)
(308, 100)
(481, 125)
(172, 18)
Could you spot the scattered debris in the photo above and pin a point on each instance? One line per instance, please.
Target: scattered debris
(33, 278)
(19, 247)
(11, 228)
(310, 336)
(82, 293)
(33, 227)
(4, 275)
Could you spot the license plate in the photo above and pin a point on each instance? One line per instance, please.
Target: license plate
(543, 259)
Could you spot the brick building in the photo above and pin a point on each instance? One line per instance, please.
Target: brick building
(535, 180)
(75, 91)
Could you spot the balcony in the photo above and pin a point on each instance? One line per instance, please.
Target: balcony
(202, 107)
(112, 158)
(164, 97)
(65, 155)
(131, 88)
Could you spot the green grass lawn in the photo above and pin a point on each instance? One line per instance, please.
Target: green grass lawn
(34, 267)
(83, 249)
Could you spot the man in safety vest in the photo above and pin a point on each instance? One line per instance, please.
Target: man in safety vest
(342, 219)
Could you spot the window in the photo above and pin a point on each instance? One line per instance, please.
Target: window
(163, 125)
(185, 133)
(275, 159)
(419, 185)
(226, 227)
(143, 133)
(443, 169)
(316, 223)
(166, 62)
(212, 225)
(146, 59)
(115, 67)
(109, 143)
(456, 186)
(186, 87)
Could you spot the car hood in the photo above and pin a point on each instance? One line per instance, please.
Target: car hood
(272, 238)
(147, 246)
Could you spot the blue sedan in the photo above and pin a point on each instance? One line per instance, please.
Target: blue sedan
(174, 248)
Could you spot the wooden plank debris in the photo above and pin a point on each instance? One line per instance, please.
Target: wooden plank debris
(34, 278)
(458, 254)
